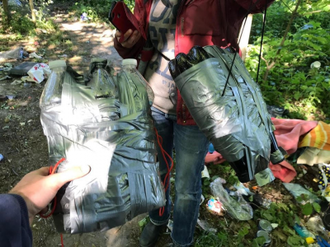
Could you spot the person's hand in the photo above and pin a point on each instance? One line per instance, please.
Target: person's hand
(38, 188)
(130, 38)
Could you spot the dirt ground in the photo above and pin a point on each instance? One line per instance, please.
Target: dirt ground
(22, 142)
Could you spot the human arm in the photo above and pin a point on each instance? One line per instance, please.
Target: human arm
(141, 12)
(14, 221)
(29, 197)
(38, 188)
(131, 46)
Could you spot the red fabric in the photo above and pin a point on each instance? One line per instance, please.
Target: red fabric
(283, 171)
(288, 133)
(199, 22)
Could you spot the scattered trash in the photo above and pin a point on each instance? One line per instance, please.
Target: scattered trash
(10, 97)
(39, 72)
(214, 206)
(202, 199)
(27, 84)
(322, 242)
(264, 177)
(21, 53)
(13, 54)
(205, 173)
(206, 226)
(84, 17)
(5, 78)
(324, 175)
(239, 209)
(16, 82)
(315, 225)
(21, 69)
(27, 79)
(34, 55)
(6, 67)
(170, 225)
(265, 234)
(297, 190)
(323, 180)
(315, 65)
(241, 189)
(265, 228)
(1, 157)
(265, 225)
(303, 232)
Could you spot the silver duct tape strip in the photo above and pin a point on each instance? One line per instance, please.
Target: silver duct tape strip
(119, 146)
(235, 121)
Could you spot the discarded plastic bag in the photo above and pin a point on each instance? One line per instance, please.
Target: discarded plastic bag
(315, 225)
(238, 209)
(297, 190)
(13, 54)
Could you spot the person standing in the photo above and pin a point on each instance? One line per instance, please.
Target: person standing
(172, 27)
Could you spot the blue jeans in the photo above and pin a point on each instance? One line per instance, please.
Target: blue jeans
(190, 150)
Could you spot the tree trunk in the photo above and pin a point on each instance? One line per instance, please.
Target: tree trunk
(33, 14)
(273, 63)
(7, 16)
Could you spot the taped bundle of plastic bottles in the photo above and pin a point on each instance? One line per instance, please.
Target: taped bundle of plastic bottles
(228, 107)
(105, 124)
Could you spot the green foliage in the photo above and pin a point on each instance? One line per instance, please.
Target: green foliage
(291, 83)
(22, 24)
(97, 11)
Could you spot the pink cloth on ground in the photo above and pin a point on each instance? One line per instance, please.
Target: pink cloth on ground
(288, 133)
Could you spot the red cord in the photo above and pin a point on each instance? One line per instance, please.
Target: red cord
(62, 243)
(166, 181)
(52, 171)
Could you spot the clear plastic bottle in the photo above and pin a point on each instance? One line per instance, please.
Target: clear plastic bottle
(50, 104)
(134, 90)
(51, 95)
(102, 84)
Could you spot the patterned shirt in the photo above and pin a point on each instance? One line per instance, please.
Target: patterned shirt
(162, 35)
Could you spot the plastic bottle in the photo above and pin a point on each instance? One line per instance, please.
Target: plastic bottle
(303, 232)
(211, 148)
(50, 103)
(21, 53)
(51, 95)
(102, 84)
(134, 90)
